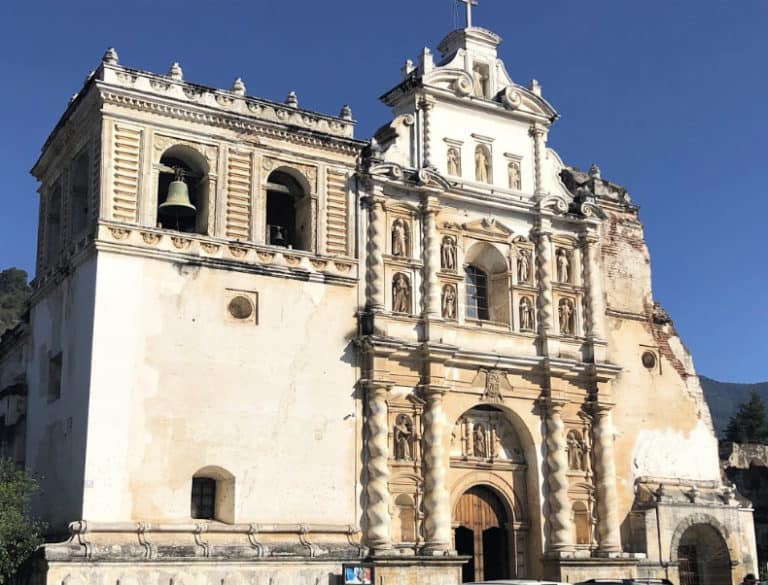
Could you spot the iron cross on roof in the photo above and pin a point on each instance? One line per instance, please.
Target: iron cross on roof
(469, 4)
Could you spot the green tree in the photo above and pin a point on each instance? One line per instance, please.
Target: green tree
(749, 424)
(20, 535)
(14, 292)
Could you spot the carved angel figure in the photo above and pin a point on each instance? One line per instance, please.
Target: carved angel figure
(401, 294)
(454, 162)
(523, 266)
(402, 435)
(449, 302)
(399, 238)
(513, 171)
(563, 266)
(448, 254)
(482, 165)
(565, 312)
(526, 314)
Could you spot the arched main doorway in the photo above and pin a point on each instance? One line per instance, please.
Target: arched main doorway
(480, 532)
(703, 557)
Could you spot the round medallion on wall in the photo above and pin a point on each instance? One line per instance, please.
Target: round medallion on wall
(649, 360)
(240, 307)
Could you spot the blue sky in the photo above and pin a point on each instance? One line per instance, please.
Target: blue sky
(667, 96)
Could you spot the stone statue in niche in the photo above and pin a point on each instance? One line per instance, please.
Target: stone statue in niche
(577, 452)
(399, 238)
(482, 165)
(454, 162)
(448, 254)
(480, 444)
(565, 312)
(480, 82)
(449, 302)
(513, 171)
(526, 314)
(563, 266)
(523, 266)
(403, 438)
(401, 294)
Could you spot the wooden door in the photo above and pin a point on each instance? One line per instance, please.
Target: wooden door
(482, 535)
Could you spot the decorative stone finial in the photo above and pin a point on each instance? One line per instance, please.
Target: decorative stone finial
(407, 68)
(110, 57)
(291, 100)
(427, 61)
(346, 112)
(238, 87)
(175, 72)
(693, 494)
(535, 86)
(594, 171)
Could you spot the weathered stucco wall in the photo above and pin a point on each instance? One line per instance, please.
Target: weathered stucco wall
(179, 385)
(60, 322)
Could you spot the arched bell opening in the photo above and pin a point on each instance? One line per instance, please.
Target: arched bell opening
(703, 557)
(289, 212)
(182, 191)
(79, 186)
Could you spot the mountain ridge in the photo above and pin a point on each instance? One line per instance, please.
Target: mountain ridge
(724, 399)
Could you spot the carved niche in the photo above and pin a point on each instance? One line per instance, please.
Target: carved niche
(403, 438)
(449, 302)
(454, 161)
(400, 238)
(448, 253)
(526, 314)
(566, 315)
(483, 168)
(486, 435)
(513, 174)
(563, 260)
(401, 294)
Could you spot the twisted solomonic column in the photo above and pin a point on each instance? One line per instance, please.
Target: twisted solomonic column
(561, 530)
(596, 306)
(377, 486)
(537, 133)
(432, 304)
(426, 107)
(437, 522)
(544, 266)
(605, 471)
(375, 285)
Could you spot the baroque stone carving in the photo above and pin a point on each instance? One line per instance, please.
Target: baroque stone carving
(563, 265)
(449, 302)
(401, 294)
(180, 243)
(403, 436)
(399, 238)
(480, 441)
(448, 254)
(513, 173)
(119, 233)
(523, 266)
(150, 238)
(566, 314)
(482, 165)
(526, 314)
(454, 162)
(557, 466)
(493, 386)
(577, 452)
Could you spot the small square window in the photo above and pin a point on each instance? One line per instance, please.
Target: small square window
(203, 498)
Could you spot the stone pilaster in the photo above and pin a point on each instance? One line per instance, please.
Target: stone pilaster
(432, 299)
(537, 133)
(375, 285)
(595, 303)
(605, 471)
(544, 267)
(437, 522)
(561, 529)
(377, 486)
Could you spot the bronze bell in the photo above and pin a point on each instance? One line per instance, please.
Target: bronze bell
(177, 203)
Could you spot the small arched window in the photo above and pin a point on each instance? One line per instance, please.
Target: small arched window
(182, 191)
(477, 293)
(289, 212)
(213, 495)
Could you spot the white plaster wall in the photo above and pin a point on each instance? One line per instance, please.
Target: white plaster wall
(56, 431)
(458, 122)
(177, 387)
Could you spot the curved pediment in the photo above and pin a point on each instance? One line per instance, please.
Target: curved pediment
(488, 226)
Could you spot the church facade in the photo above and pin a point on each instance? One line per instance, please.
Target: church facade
(260, 350)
